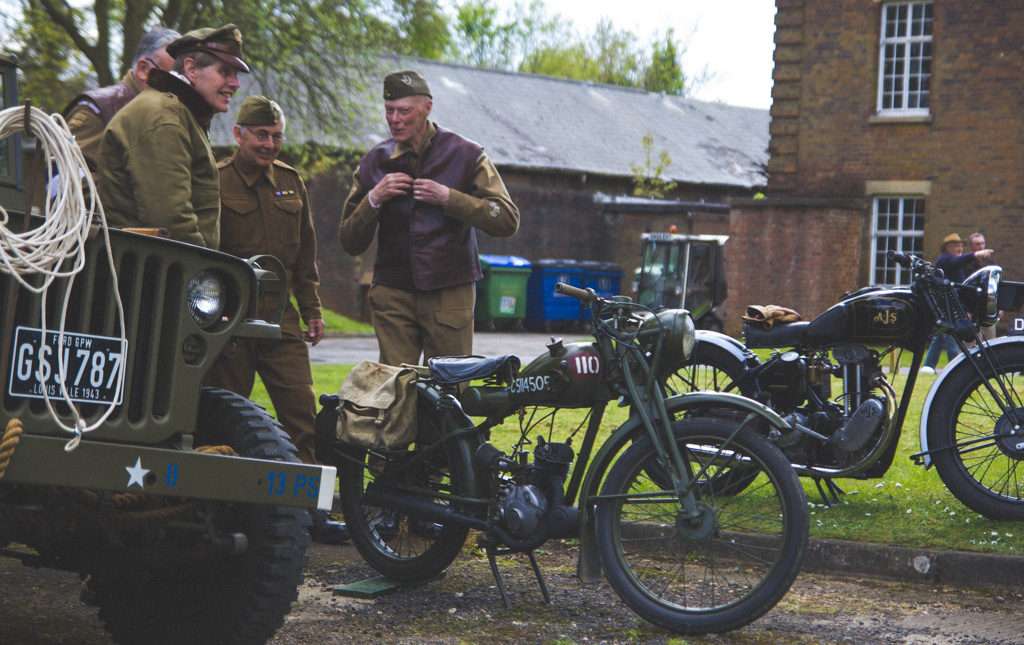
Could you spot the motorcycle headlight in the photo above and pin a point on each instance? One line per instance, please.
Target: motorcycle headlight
(679, 340)
(986, 304)
(205, 295)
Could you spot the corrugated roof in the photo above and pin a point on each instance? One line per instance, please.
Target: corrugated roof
(542, 123)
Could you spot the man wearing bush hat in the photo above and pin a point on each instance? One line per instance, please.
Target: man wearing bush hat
(156, 166)
(424, 192)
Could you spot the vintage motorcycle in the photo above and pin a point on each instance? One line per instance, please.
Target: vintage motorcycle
(972, 424)
(657, 507)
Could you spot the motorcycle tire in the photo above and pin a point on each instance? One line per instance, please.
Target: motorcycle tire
(727, 569)
(398, 546)
(241, 598)
(970, 437)
(709, 368)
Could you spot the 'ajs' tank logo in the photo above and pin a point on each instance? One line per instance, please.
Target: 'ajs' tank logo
(886, 317)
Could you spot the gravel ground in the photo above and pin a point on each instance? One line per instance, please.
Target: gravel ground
(41, 607)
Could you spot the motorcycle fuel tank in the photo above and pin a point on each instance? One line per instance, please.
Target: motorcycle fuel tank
(877, 316)
(567, 376)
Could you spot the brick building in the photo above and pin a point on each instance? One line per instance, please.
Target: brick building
(557, 144)
(893, 124)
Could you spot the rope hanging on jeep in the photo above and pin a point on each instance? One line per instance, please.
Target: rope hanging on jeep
(56, 248)
(8, 442)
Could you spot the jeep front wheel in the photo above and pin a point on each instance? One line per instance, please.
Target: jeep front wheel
(230, 599)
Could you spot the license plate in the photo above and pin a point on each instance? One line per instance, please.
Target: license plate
(94, 364)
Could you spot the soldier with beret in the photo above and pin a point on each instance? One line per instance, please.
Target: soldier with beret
(156, 167)
(265, 210)
(424, 192)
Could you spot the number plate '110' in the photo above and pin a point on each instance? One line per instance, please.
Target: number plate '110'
(93, 366)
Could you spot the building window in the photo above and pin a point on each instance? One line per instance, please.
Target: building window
(905, 58)
(897, 224)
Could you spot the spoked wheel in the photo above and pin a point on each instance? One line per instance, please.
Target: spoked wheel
(398, 545)
(725, 565)
(710, 368)
(977, 440)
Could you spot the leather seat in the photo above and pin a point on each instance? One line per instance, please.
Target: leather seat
(785, 335)
(450, 370)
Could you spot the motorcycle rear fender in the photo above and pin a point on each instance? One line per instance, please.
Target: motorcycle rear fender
(735, 348)
(588, 566)
(960, 362)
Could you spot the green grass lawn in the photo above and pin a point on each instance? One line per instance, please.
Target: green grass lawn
(338, 325)
(909, 507)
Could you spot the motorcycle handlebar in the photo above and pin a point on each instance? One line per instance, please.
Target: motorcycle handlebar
(902, 259)
(583, 295)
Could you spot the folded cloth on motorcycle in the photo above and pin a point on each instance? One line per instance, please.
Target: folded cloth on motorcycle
(378, 407)
(768, 315)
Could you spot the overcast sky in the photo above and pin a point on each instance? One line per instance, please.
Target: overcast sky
(732, 38)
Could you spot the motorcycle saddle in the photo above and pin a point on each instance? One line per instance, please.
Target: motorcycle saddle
(450, 370)
(784, 335)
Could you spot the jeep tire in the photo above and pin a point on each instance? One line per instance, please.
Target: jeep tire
(234, 598)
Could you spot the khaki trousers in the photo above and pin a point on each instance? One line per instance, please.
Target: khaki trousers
(428, 323)
(284, 367)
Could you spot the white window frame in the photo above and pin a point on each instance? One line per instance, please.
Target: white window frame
(902, 274)
(906, 40)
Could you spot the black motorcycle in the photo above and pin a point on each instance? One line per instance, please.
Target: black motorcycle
(972, 425)
(696, 519)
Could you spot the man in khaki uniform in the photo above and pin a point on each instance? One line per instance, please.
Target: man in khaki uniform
(156, 167)
(89, 113)
(265, 210)
(423, 192)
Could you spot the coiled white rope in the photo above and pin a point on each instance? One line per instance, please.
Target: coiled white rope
(69, 212)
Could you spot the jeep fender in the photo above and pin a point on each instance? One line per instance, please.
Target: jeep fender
(588, 567)
(960, 362)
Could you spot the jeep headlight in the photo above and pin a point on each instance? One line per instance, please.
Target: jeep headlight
(206, 295)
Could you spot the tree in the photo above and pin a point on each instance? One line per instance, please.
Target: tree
(421, 29)
(665, 73)
(312, 55)
(648, 179)
(51, 79)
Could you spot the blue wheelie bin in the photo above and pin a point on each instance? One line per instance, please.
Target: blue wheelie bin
(545, 309)
(605, 278)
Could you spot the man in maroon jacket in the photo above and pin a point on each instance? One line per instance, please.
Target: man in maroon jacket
(424, 192)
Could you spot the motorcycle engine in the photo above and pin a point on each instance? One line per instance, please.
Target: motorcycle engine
(522, 509)
(782, 381)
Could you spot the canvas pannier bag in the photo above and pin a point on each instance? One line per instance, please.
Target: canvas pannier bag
(378, 407)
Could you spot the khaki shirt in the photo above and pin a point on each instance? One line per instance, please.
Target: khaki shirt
(268, 211)
(87, 125)
(157, 170)
(487, 206)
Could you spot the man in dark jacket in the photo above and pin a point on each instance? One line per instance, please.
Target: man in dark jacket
(957, 265)
(424, 192)
(90, 112)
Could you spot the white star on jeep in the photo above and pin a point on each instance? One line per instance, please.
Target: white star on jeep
(136, 473)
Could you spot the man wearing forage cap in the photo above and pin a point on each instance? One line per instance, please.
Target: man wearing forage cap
(156, 166)
(265, 210)
(424, 192)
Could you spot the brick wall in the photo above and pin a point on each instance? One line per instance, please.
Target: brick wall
(827, 141)
(802, 254)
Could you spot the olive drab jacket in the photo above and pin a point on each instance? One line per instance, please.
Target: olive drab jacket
(156, 165)
(89, 113)
(268, 211)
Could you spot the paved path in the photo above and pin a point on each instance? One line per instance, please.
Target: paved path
(352, 349)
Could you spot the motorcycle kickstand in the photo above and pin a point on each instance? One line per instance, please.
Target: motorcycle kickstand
(833, 491)
(497, 577)
(540, 578)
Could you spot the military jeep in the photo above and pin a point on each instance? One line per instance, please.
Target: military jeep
(187, 511)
